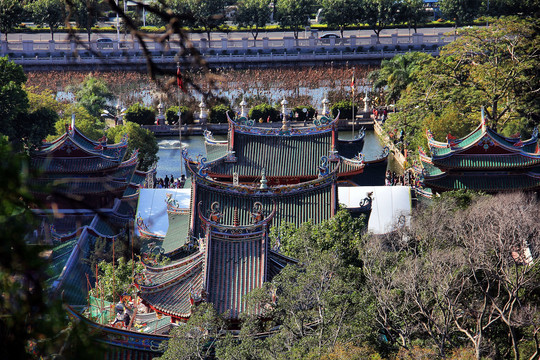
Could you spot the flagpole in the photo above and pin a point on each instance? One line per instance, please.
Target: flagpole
(352, 88)
(179, 118)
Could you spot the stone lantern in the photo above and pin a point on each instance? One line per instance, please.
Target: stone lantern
(243, 105)
(285, 122)
(325, 103)
(160, 118)
(204, 113)
(366, 102)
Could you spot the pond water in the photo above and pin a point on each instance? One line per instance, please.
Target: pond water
(170, 151)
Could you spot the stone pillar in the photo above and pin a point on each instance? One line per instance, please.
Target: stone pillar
(373, 39)
(312, 40)
(160, 117)
(332, 41)
(285, 121)
(244, 43)
(265, 42)
(3, 47)
(204, 44)
(73, 46)
(288, 42)
(440, 39)
(353, 40)
(51, 46)
(366, 102)
(394, 39)
(224, 43)
(28, 46)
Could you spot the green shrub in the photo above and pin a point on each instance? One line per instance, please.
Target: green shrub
(218, 114)
(172, 115)
(262, 111)
(304, 116)
(140, 114)
(344, 108)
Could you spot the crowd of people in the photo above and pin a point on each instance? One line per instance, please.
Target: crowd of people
(408, 178)
(170, 182)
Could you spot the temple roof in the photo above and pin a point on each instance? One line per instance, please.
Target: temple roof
(485, 149)
(487, 182)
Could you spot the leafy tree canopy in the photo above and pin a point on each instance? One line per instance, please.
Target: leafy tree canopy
(93, 94)
(51, 13)
(138, 138)
(90, 126)
(11, 15)
(294, 14)
(140, 114)
(253, 14)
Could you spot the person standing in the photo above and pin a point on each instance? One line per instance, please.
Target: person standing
(166, 181)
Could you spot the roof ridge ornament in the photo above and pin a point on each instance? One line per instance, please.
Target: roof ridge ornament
(323, 167)
(264, 182)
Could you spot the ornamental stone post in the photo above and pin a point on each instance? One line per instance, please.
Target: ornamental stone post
(204, 113)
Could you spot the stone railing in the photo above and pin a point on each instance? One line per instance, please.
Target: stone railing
(224, 46)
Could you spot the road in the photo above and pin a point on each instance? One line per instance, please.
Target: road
(231, 35)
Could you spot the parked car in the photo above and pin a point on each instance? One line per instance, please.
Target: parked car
(104, 43)
(325, 39)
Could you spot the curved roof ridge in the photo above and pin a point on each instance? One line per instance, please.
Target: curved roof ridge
(174, 265)
(326, 125)
(188, 272)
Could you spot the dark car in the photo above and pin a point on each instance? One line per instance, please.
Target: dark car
(104, 43)
(325, 39)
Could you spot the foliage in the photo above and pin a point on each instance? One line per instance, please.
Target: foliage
(304, 116)
(461, 11)
(494, 67)
(48, 12)
(90, 126)
(396, 74)
(339, 13)
(455, 277)
(344, 108)
(378, 14)
(172, 115)
(24, 126)
(86, 14)
(31, 323)
(11, 15)
(138, 138)
(207, 14)
(93, 94)
(253, 14)
(140, 114)
(263, 111)
(196, 339)
(294, 14)
(116, 280)
(413, 13)
(218, 113)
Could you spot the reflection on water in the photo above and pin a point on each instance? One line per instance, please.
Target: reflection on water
(170, 151)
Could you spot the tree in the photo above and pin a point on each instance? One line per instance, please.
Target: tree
(138, 138)
(218, 113)
(263, 111)
(197, 338)
(207, 14)
(378, 14)
(11, 15)
(86, 14)
(90, 126)
(340, 13)
(253, 14)
(51, 13)
(461, 11)
(172, 115)
(23, 126)
(396, 74)
(113, 283)
(413, 13)
(93, 95)
(140, 114)
(294, 14)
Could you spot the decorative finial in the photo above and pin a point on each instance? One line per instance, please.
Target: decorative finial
(72, 122)
(263, 180)
(483, 120)
(243, 105)
(325, 103)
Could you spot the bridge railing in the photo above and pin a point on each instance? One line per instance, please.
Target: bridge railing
(30, 48)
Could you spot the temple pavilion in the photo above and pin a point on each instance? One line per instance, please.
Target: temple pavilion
(483, 161)
(257, 178)
(84, 190)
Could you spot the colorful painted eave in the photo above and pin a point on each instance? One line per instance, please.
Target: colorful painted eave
(487, 182)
